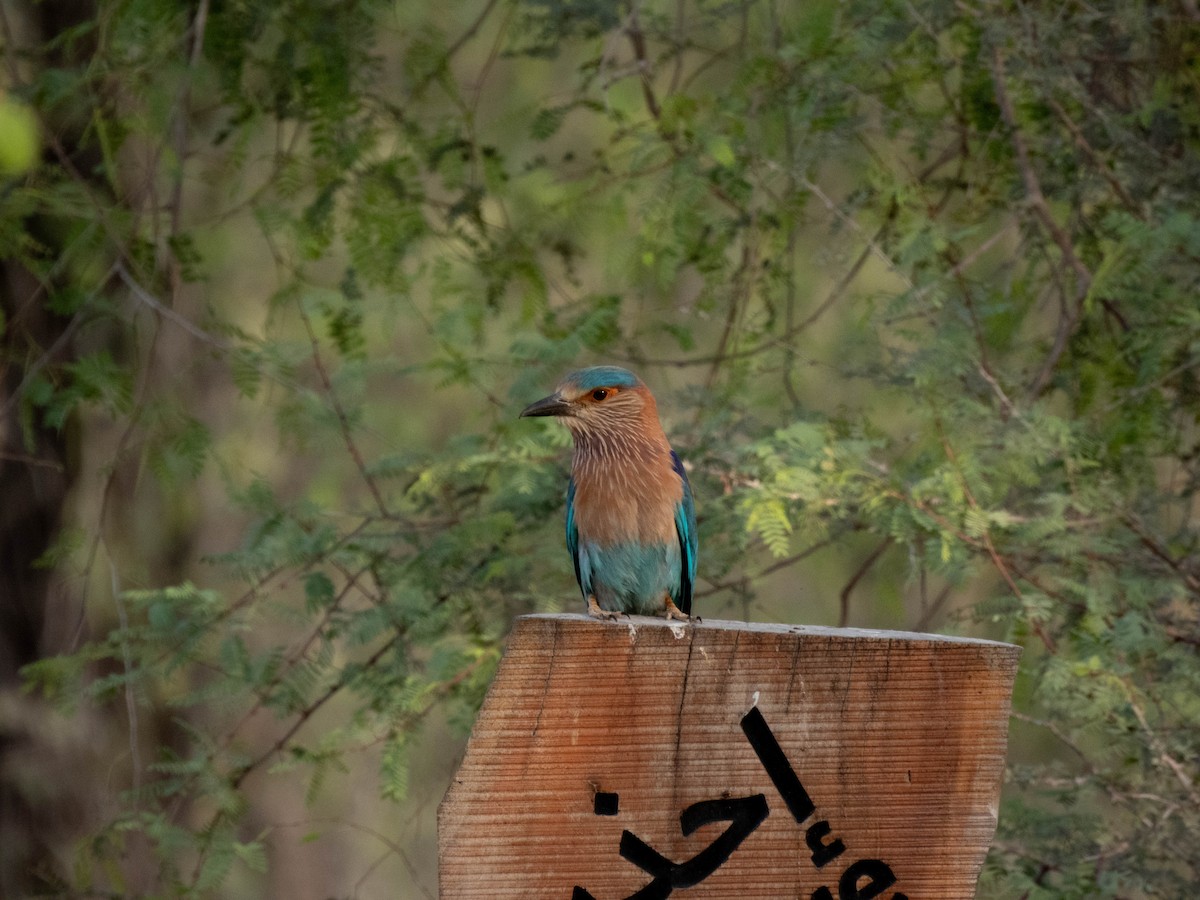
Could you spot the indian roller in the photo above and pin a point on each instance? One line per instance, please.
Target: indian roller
(631, 521)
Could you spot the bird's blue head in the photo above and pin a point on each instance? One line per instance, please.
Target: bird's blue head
(596, 377)
(598, 398)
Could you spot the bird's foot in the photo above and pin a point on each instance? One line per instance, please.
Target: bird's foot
(596, 612)
(674, 612)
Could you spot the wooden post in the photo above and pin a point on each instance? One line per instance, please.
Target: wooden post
(637, 758)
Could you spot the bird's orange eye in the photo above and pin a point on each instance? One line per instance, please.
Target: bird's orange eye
(599, 394)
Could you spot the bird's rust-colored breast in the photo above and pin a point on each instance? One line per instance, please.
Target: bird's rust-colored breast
(626, 500)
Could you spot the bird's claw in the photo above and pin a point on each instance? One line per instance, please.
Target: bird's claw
(596, 612)
(674, 612)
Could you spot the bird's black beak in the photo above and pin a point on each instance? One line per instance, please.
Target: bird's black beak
(554, 405)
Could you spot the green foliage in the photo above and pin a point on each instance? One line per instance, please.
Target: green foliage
(915, 282)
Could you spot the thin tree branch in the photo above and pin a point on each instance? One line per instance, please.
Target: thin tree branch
(343, 419)
(1071, 311)
(844, 597)
(986, 539)
(1095, 158)
(718, 586)
(931, 610)
(307, 713)
(263, 693)
(461, 41)
(1186, 779)
(131, 706)
(1157, 549)
(168, 313)
(180, 140)
(872, 242)
(1055, 730)
(45, 358)
(637, 39)
(1033, 188)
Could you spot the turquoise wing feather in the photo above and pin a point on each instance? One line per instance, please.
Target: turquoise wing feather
(573, 538)
(685, 528)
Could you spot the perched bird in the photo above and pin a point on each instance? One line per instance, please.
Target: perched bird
(631, 522)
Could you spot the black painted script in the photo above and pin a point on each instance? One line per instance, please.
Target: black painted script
(863, 879)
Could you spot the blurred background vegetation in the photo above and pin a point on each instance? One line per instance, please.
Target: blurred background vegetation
(915, 284)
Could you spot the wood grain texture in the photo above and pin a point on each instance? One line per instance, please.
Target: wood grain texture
(898, 739)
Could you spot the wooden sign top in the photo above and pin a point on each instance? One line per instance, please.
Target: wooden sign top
(636, 758)
(636, 622)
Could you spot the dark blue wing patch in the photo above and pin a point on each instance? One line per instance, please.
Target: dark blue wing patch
(573, 535)
(685, 529)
